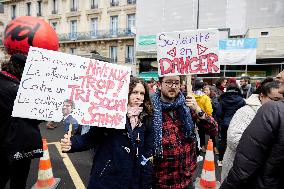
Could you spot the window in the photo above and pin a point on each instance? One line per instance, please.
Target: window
(39, 13)
(13, 12)
(73, 29)
(94, 27)
(29, 9)
(73, 51)
(129, 54)
(54, 6)
(54, 25)
(113, 25)
(1, 8)
(130, 2)
(113, 54)
(74, 5)
(130, 22)
(114, 3)
(94, 4)
(264, 34)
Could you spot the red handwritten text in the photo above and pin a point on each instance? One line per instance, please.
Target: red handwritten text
(202, 64)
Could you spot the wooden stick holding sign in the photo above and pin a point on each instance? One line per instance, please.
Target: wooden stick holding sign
(188, 84)
(65, 142)
(70, 131)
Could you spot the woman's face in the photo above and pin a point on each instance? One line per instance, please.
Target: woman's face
(273, 95)
(136, 97)
(206, 90)
(224, 83)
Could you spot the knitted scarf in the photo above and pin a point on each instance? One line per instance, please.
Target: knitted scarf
(184, 116)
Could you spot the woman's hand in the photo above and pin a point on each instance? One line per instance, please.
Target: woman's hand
(65, 143)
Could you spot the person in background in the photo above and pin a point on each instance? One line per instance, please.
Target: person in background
(267, 91)
(20, 139)
(246, 88)
(204, 102)
(214, 103)
(257, 83)
(206, 90)
(232, 80)
(183, 89)
(51, 125)
(229, 103)
(123, 157)
(214, 99)
(259, 157)
(67, 108)
(152, 86)
(220, 86)
(174, 137)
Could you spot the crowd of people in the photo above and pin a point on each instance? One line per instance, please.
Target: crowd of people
(159, 146)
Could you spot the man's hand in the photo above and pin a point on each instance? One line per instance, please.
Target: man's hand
(191, 103)
(65, 143)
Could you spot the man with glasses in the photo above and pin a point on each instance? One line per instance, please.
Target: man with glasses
(259, 157)
(174, 138)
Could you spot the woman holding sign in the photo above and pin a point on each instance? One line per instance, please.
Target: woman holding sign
(123, 158)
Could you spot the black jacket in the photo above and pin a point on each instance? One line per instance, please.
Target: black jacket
(259, 160)
(230, 102)
(19, 138)
(118, 156)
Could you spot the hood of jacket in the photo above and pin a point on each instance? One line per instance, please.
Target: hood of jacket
(232, 98)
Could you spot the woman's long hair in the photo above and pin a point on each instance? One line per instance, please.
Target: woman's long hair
(147, 104)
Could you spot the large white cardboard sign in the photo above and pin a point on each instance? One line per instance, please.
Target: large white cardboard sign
(188, 52)
(98, 89)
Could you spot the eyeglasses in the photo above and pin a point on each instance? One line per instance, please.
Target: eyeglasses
(172, 83)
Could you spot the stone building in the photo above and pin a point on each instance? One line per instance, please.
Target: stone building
(85, 27)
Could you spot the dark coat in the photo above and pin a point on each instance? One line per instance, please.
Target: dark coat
(19, 137)
(230, 102)
(118, 156)
(71, 120)
(259, 160)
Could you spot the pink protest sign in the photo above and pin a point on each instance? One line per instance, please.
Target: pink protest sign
(99, 90)
(188, 52)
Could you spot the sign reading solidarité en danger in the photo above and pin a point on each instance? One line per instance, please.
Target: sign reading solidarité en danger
(188, 52)
(98, 89)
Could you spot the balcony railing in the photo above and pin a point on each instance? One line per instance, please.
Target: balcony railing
(73, 9)
(94, 6)
(130, 2)
(113, 60)
(54, 12)
(99, 34)
(129, 60)
(114, 3)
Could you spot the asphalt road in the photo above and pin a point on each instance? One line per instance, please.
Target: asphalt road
(82, 162)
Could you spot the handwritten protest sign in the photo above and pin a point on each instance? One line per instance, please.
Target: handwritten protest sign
(188, 52)
(98, 89)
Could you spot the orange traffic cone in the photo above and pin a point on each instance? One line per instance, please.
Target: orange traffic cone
(208, 178)
(45, 175)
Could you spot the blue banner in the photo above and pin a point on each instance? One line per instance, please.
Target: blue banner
(243, 43)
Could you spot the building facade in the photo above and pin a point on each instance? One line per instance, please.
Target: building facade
(259, 19)
(101, 27)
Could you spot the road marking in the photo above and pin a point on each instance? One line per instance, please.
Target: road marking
(70, 167)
